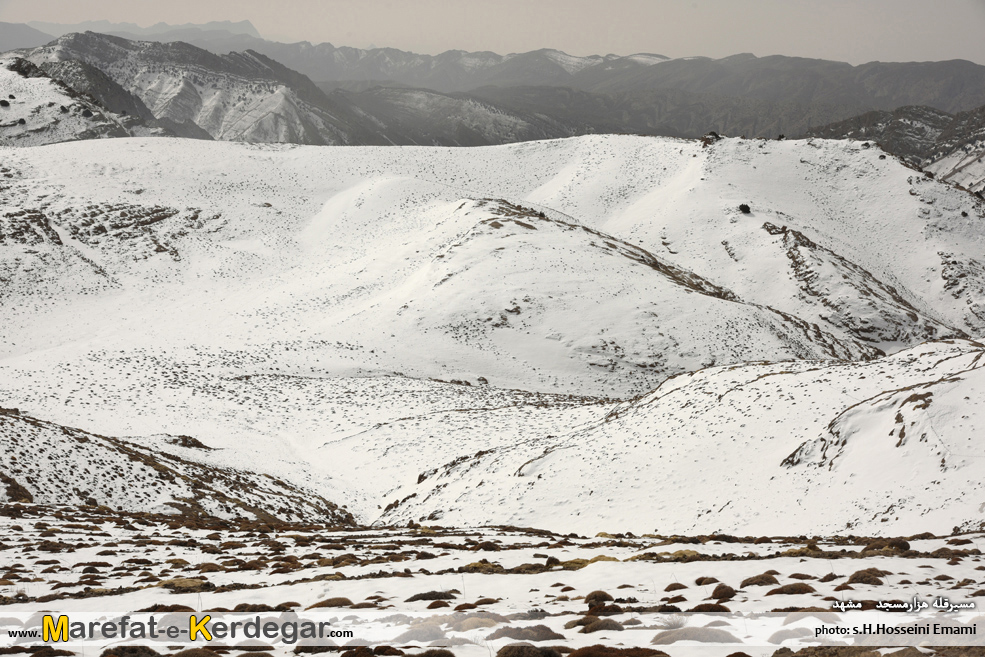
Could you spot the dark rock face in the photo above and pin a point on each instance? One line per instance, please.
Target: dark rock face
(908, 132)
(88, 79)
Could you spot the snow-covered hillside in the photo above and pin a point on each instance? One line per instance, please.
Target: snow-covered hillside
(35, 109)
(959, 158)
(809, 447)
(964, 166)
(290, 304)
(46, 463)
(239, 96)
(949, 146)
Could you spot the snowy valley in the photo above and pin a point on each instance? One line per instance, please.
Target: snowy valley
(478, 324)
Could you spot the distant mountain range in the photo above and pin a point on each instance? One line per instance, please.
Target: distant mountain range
(951, 86)
(250, 97)
(40, 108)
(158, 29)
(263, 91)
(19, 35)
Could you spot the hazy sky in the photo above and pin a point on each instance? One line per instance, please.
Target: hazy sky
(855, 31)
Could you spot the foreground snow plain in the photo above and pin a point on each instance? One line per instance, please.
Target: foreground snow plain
(460, 330)
(479, 590)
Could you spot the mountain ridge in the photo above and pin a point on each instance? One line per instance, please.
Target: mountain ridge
(949, 146)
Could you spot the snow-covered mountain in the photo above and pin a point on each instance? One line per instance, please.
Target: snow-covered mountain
(248, 97)
(950, 86)
(949, 146)
(959, 154)
(425, 117)
(240, 96)
(158, 29)
(910, 132)
(320, 313)
(38, 109)
(19, 35)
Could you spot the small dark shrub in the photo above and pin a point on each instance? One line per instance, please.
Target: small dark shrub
(608, 651)
(525, 650)
(702, 634)
(759, 580)
(723, 592)
(868, 576)
(708, 607)
(887, 544)
(332, 602)
(131, 651)
(792, 589)
(596, 598)
(535, 633)
(744, 208)
(602, 625)
(431, 595)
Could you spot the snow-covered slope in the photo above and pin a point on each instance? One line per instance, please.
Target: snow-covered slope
(950, 146)
(36, 109)
(959, 157)
(543, 301)
(281, 302)
(807, 447)
(421, 116)
(308, 267)
(46, 463)
(909, 132)
(238, 96)
(964, 166)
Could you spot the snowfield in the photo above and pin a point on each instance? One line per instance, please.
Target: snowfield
(478, 590)
(584, 334)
